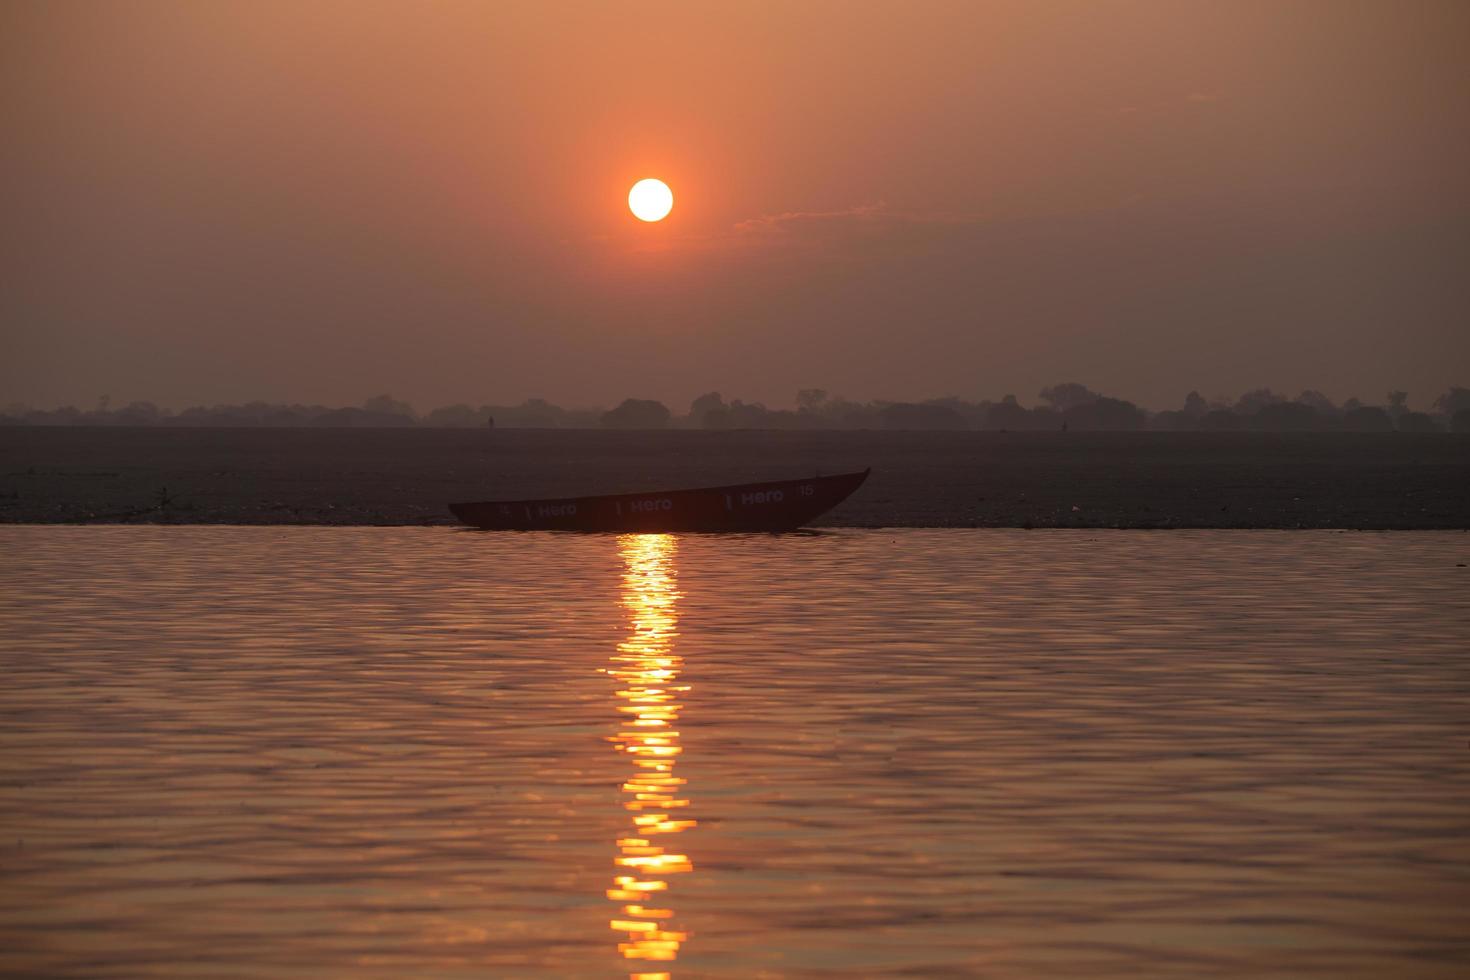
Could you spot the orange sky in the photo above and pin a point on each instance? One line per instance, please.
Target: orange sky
(323, 201)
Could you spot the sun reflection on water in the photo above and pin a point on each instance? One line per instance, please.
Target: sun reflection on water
(648, 698)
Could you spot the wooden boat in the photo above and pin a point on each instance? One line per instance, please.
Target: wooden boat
(784, 505)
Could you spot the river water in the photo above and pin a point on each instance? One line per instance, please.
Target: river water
(306, 752)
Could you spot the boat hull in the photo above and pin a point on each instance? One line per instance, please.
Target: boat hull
(782, 505)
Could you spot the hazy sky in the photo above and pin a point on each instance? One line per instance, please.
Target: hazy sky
(321, 201)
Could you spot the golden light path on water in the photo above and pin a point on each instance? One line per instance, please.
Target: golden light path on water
(373, 753)
(648, 700)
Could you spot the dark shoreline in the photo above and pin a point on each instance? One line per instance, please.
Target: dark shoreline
(395, 477)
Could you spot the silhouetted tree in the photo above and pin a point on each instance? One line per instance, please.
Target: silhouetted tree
(1253, 401)
(752, 415)
(1417, 422)
(705, 403)
(538, 413)
(1367, 418)
(1104, 414)
(715, 418)
(637, 413)
(1453, 402)
(811, 400)
(138, 413)
(973, 413)
(459, 416)
(1008, 414)
(1070, 405)
(1319, 403)
(1068, 395)
(362, 418)
(1221, 420)
(388, 405)
(849, 414)
(1287, 417)
(903, 415)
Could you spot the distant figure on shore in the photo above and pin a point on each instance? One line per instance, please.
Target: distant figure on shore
(489, 421)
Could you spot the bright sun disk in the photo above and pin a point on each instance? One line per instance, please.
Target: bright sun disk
(650, 199)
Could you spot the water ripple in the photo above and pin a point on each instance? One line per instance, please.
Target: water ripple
(258, 752)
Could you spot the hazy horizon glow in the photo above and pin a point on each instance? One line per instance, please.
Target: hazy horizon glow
(319, 202)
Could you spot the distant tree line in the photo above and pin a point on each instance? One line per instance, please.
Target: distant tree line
(1068, 406)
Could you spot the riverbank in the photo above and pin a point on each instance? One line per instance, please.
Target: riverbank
(920, 479)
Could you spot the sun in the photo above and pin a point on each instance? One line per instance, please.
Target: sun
(650, 199)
